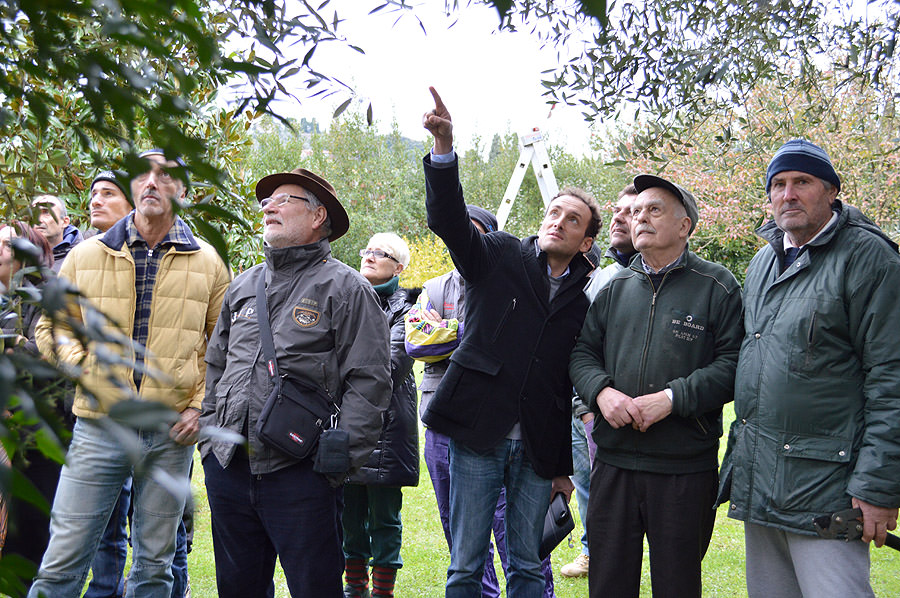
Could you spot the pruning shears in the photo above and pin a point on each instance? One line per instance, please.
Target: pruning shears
(847, 524)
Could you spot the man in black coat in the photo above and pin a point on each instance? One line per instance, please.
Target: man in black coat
(505, 399)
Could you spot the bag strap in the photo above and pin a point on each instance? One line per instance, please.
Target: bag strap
(268, 343)
(265, 330)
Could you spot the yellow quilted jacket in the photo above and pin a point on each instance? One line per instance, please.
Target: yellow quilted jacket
(190, 285)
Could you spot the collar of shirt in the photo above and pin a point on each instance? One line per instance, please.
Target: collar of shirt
(829, 224)
(664, 269)
(177, 235)
(537, 252)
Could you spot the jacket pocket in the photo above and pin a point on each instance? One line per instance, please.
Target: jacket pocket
(473, 358)
(469, 380)
(811, 473)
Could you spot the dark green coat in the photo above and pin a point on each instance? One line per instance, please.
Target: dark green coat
(817, 395)
(685, 336)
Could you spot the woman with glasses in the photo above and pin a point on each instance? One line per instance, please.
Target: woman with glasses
(372, 499)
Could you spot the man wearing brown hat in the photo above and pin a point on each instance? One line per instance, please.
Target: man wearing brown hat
(656, 361)
(328, 331)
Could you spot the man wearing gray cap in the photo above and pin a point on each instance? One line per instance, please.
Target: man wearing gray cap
(325, 330)
(655, 361)
(817, 390)
(162, 288)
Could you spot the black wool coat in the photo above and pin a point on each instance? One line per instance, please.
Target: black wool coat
(512, 363)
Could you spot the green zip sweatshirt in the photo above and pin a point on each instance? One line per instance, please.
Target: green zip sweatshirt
(685, 336)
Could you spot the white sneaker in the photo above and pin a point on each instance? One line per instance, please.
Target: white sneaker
(577, 568)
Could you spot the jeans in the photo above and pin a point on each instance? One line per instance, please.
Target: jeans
(476, 478)
(108, 566)
(372, 527)
(179, 563)
(292, 514)
(437, 459)
(581, 476)
(500, 540)
(89, 486)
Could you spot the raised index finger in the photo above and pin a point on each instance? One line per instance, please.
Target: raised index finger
(438, 103)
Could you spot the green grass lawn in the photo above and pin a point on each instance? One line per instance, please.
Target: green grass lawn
(426, 558)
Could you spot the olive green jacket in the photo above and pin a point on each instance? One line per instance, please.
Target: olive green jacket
(817, 395)
(684, 336)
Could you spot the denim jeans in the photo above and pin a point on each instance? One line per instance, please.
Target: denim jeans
(582, 476)
(437, 458)
(108, 566)
(97, 466)
(500, 540)
(179, 563)
(372, 527)
(476, 478)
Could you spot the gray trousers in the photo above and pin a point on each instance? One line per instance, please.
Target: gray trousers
(782, 564)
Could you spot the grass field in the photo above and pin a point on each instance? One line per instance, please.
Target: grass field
(426, 558)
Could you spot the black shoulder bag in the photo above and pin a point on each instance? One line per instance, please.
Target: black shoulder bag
(296, 411)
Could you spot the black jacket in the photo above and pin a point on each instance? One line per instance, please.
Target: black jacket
(395, 461)
(512, 364)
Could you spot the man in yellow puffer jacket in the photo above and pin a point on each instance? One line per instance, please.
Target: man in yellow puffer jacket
(163, 289)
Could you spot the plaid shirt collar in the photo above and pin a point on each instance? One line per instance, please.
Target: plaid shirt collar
(179, 234)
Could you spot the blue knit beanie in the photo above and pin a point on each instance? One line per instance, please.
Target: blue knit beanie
(803, 156)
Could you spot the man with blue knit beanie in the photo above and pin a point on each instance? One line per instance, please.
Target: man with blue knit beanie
(817, 389)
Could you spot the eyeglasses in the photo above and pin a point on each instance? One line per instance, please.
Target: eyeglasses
(279, 200)
(377, 253)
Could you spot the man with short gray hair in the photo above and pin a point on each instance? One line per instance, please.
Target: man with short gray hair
(53, 223)
(655, 363)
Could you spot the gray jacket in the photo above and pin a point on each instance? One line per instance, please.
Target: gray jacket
(447, 294)
(599, 279)
(328, 328)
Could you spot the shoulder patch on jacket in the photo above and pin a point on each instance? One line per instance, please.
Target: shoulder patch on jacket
(305, 316)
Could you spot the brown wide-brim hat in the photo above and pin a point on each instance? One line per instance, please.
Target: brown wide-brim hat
(315, 184)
